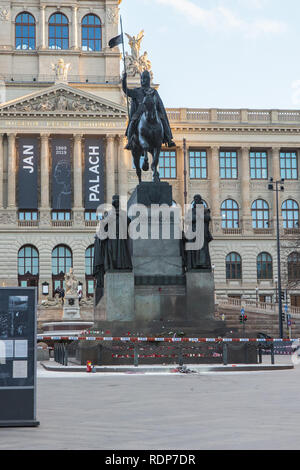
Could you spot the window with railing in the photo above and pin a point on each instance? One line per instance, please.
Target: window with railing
(260, 214)
(28, 215)
(228, 165)
(61, 216)
(198, 164)
(288, 165)
(290, 214)
(230, 214)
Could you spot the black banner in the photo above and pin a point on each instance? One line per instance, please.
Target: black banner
(94, 172)
(28, 173)
(61, 174)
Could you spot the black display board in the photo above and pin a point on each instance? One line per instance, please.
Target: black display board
(94, 172)
(28, 148)
(61, 174)
(18, 356)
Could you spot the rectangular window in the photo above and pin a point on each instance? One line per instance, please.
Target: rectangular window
(258, 165)
(228, 164)
(198, 164)
(28, 215)
(61, 215)
(92, 215)
(288, 165)
(167, 164)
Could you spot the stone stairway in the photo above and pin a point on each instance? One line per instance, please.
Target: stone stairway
(262, 318)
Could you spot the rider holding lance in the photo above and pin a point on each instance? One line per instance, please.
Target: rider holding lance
(137, 96)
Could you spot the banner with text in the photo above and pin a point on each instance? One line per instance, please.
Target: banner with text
(61, 174)
(28, 149)
(94, 172)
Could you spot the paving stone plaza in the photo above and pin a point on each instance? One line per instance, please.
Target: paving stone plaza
(212, 411)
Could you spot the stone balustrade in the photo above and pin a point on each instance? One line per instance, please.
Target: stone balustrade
(239, 116)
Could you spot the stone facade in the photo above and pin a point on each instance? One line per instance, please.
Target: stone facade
(90, 103)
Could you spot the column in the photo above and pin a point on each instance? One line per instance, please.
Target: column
(45, 172)
(180, 176)
(12, 168)
(77, 171)
(110, 168)
(124, 159)
(245, 188)
(214, 177)
(42, 28)
(74, 44)
(275, 174)
(1, 170)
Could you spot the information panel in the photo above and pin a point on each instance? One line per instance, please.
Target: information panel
(94, 172)
(18, 356)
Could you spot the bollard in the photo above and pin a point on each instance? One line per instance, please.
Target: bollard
(180, 358)
(136, 356)
(225, 354)
(272, 354)
(259, 354)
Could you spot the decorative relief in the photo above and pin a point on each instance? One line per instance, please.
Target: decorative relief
(8, 218)
(112, 15)
(4, 14)
(63, 102)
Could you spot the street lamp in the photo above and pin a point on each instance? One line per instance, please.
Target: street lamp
(278, 186)
(256, 291)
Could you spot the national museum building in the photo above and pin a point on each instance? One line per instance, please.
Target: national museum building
(63, 119)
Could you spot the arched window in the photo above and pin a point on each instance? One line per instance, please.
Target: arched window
(58, 31)
(264, 266)
(290, 214)
(89, 260)
(25, 31)
(294, 266)
(61, 263)
(260, 214)
(230, 214)
(233, 266)
(28, 266)
(91, 33)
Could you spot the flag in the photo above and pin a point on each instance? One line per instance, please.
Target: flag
(116, 41)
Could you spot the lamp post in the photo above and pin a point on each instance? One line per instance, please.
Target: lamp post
(256, 292)
(278, 186)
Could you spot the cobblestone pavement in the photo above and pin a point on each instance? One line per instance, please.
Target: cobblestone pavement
(247, 410)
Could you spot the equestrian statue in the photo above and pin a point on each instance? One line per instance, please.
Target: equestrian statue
(148, 127)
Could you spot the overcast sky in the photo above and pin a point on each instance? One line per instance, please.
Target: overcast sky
(221, 53)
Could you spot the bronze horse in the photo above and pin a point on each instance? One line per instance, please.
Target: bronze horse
(149, 138)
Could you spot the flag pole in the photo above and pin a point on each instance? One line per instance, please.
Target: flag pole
(124, 62)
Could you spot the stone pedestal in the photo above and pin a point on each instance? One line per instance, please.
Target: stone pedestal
(200, 288)
(117, 303)
(71, 310)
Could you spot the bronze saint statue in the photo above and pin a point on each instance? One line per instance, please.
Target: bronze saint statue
(199, 259)
(112, 254)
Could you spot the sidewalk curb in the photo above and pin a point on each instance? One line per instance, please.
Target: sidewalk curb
(170, 369)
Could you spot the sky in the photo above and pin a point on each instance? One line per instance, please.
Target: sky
(220, 53)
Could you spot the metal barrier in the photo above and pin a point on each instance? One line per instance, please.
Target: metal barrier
(136, 350)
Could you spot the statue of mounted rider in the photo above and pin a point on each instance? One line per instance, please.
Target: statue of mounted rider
(148, 126)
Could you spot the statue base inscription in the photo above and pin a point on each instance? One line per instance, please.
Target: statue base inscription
(71, 310)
